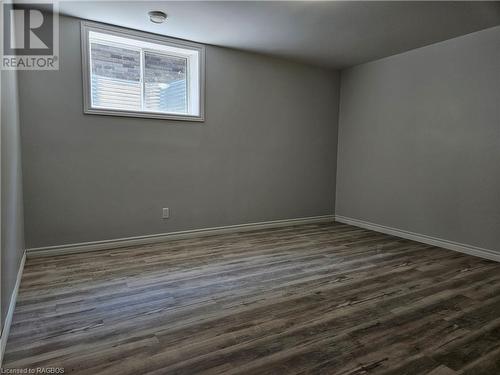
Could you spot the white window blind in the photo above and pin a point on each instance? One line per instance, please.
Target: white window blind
(165, 83)
(116, 77)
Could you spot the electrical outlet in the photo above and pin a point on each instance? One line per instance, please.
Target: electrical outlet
(165, 213)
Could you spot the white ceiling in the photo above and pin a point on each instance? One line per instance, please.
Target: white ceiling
(328, 33)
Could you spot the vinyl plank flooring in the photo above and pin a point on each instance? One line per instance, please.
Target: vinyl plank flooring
(311, 299)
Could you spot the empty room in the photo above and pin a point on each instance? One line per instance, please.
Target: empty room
(250, 187)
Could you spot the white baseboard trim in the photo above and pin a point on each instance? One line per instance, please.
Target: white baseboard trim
(10, 312)
(155, 238)
(450, 245)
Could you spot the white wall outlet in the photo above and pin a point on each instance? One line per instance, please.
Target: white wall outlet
(165, 213)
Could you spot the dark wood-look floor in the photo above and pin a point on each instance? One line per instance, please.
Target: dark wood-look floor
(316, 299)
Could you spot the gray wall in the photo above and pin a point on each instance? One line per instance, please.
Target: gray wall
(12, 197)
(419, 141)
(265, 152)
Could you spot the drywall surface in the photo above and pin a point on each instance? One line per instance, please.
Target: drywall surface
(419, 137)
(12, 194)
(266, 151)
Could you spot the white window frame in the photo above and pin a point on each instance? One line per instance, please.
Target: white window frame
(87, 27)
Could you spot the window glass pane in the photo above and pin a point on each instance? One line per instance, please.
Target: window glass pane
(165, 83)
(116, 77)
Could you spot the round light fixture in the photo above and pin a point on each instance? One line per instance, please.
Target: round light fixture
(157, 16)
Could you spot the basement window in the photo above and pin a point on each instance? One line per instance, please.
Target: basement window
(132, 73)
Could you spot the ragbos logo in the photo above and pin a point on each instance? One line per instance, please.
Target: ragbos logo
(30, 35)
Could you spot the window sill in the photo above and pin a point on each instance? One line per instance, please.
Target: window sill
(146, 115)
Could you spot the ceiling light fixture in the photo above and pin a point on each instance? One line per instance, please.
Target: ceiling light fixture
(157, 16)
